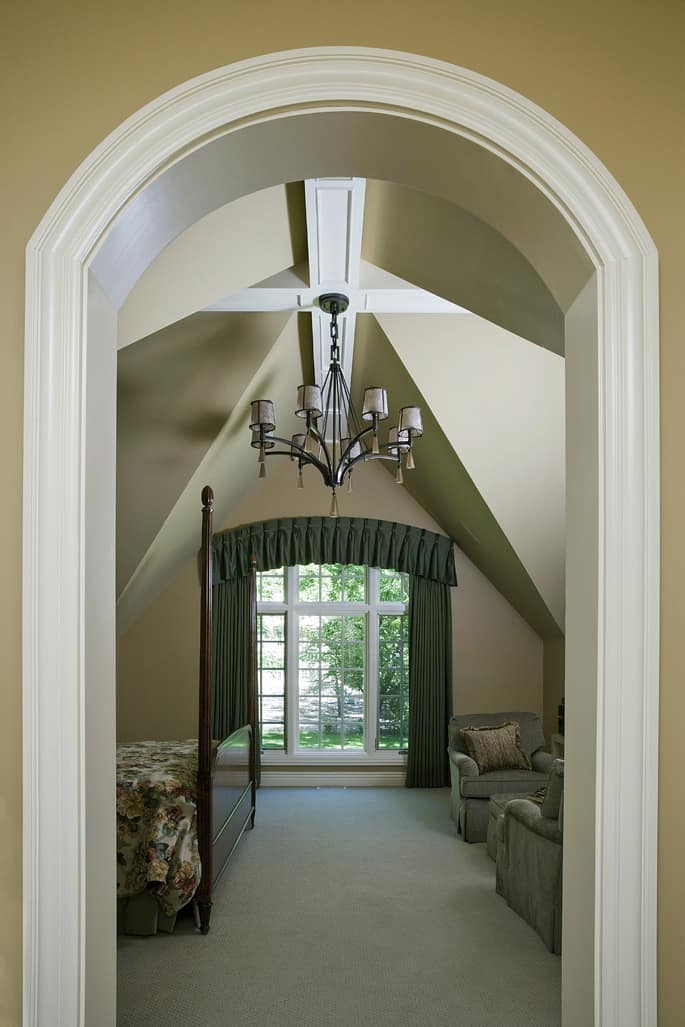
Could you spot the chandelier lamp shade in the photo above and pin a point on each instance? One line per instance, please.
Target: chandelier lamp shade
(333, 438)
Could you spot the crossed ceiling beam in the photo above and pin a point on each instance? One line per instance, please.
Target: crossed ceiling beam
(335, 220)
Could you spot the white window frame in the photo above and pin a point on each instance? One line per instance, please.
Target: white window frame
(293, 609)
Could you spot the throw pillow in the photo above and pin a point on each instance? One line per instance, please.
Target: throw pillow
(496, 747)
(551, 804)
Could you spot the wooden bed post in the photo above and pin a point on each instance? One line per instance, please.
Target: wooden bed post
(204, 754)
(252, 684)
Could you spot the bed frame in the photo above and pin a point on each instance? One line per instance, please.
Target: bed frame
(225, 803)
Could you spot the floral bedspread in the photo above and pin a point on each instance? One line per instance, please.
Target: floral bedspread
(157, 845)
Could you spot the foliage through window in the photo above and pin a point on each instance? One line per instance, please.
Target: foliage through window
(333, 659)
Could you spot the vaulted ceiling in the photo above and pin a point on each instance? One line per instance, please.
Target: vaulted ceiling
(447, 312)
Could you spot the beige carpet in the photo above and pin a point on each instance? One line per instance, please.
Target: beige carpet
(345, 907)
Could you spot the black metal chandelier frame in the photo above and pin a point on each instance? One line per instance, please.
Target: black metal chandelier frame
(342, 439)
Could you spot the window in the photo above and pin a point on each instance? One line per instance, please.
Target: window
(333, 660)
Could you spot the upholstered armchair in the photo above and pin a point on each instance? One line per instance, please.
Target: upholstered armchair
(471, 790)
(530, 859)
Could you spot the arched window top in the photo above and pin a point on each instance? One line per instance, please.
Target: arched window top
(346, 540)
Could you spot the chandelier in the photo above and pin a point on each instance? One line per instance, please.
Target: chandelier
(335, 439)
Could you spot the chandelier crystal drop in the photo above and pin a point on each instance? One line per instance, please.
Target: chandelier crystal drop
(335, 439)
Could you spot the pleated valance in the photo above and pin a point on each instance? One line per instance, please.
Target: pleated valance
(353, 540)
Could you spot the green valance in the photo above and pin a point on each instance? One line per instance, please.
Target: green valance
(353, 540)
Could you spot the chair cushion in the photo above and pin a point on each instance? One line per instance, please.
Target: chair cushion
(532, 737)
(498, 781)
(496, 748)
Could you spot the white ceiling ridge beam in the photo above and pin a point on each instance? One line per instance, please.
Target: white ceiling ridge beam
(334, 210)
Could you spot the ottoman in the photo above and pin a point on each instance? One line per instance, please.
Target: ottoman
(496, 810)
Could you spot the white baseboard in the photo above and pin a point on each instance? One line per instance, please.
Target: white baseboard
(332, 779)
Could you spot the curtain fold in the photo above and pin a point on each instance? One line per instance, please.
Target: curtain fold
(356, 540)
(231, 622)
(430, 683)
(231, 658)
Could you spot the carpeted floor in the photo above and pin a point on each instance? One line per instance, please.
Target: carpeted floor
(354, 907)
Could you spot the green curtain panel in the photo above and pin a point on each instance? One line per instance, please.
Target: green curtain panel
(230, 657)
(357, 540)
(430, 682)
(426, 556)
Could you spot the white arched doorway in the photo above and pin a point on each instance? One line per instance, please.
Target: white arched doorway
(69, 476)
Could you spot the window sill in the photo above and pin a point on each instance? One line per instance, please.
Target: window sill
(334, 759)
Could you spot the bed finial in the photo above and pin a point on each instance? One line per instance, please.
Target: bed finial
(208, 497)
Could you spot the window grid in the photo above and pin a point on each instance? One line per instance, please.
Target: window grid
(271, 677)
(373, 720)
(331, 668)
(393, 683)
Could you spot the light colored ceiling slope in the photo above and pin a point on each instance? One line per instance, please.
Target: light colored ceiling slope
(500, 402)
(175, 391)
(441, 484)
(229, 465)
(448, 251)
(393, 148)
(205, 361)
(244, 242)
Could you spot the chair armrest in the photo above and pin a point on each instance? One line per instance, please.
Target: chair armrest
(528, 814)
(542, 761)
(463, 763)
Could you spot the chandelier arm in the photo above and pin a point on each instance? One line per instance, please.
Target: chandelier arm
(302, 455)
(347, 465)
(363, 457)
(357, 437)
(321, 468)
(352, 415)
(325, 403)
(335, 416)
(322, 443)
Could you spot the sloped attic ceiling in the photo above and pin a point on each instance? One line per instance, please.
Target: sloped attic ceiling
(228, 463)
(293, 147)
(185, 359)
(441, 482)
(176, 389)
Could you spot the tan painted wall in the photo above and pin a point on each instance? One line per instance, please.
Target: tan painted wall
(158, 664)
(497, 656)
(612, 72)
(553, 683)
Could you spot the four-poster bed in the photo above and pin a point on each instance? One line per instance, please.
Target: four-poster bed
(217, 800)
(183, 806)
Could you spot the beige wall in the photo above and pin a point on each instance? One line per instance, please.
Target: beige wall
(553, 683)
(158, 664)
(611, 72)
(497, 656)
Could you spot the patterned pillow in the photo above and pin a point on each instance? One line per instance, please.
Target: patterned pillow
(496, 747)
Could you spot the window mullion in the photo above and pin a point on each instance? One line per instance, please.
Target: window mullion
(372, 681)
(373, 596)
(292, 661)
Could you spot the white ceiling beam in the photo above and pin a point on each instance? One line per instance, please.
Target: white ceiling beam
(334, 209)
(335, 216)
(408, 300)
